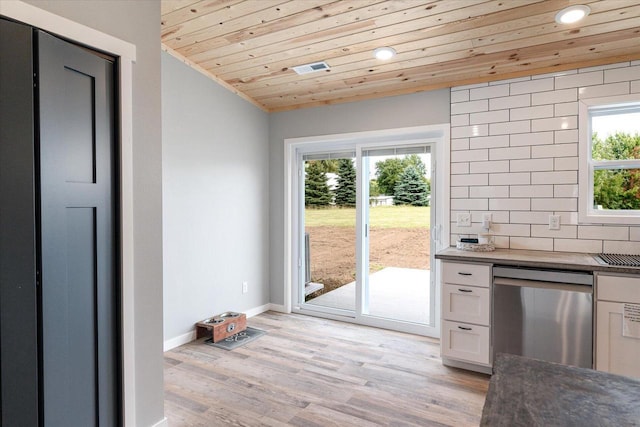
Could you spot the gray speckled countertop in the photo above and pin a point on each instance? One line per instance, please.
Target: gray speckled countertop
(539, 259)
(529, 392)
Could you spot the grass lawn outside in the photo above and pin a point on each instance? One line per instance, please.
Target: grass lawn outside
(379, 217)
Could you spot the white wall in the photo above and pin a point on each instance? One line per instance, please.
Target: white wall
(215, 200)
(514, 153)
(425, 108)
(137, 23)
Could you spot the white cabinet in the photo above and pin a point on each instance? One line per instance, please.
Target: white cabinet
(466, 308)
(616, 353)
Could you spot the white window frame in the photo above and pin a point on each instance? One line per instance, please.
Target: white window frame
(586, 212)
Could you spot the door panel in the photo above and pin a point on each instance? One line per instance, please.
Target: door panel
(79, 287)
(18, 297)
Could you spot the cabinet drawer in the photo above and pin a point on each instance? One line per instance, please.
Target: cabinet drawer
(465, 342)
(466, 274)
(619, 288)
(466, 304)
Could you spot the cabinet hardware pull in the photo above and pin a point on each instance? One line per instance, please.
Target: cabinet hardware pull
(463, 328)
(464, 274)
(465, 290)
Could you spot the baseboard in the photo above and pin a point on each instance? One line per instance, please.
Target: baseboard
(279, 308)
(179, 340)
(190, 336)
(162, 423)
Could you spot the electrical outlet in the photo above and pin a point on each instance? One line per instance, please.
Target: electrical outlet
(554, 222)
(245, 287)
(486, 221)
(464, 219)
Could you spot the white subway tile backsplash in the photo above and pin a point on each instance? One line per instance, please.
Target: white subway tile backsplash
(531, 191)
(470, 107)
(580, 79)
(575, 245)
(556, 150)
(565, 136)
(622, 74)
(509, 204)
(566, 109)
(469, 156)
(471, 180)
(509, 153)
(565, 232)
(555, 123)
(541, 85)
(510, 127)
(469, 204)
(616, 247)
(565, 190)
(469, 131)
(566, 164)
(521, 178)
(460, 120)
(459, 192)
(489, 117)
(489, 92)
(489, 192)
(459, 144)
(523, 230)
(601, 232)
(531, 165)
(459, 95)
(489, 141)
(531, 243)
(622, 88)
(538, 112)
(514, 153)
(510, 102)
(551, 204)
(534, 138)
(554, 97)
(560, 177)
(459, 168)
(529, 217)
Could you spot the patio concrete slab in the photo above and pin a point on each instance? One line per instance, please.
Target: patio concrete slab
(394, 293)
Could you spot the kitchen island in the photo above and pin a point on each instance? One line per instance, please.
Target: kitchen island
(529, 392)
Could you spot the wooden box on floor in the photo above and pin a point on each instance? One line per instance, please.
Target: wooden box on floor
(221, 326)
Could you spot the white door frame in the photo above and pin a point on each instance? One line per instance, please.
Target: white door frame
(126, 53)
(438, 134)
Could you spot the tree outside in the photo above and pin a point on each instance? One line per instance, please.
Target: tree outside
(317, 192)
(411, 188)
(388, 172)
(617, 189)
(346, 183)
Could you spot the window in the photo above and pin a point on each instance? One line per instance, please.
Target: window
(610, 160)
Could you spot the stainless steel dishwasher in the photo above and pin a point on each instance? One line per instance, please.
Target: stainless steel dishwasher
(543, 314)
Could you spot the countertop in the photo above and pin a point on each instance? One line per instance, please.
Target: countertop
(537, 259)
(529, 392)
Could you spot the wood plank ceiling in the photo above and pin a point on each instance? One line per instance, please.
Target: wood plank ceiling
(250, 46)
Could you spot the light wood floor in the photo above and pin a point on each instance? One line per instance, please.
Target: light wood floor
(313, 372)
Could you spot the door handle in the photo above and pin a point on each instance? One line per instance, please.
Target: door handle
(465, 290)
(463, 328)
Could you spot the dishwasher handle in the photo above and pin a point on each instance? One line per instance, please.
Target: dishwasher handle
(542, 285)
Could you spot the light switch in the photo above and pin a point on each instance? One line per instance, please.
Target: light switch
(554, 222)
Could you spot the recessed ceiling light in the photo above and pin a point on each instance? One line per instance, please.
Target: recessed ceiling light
(384, 53)
(572, 14)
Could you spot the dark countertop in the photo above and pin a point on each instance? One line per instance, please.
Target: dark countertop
(538, 259)
(529, 392)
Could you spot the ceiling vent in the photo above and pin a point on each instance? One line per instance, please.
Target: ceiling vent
(311, 68)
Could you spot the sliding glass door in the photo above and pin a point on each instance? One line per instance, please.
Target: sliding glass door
(365, 250)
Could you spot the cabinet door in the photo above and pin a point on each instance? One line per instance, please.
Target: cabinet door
(466, 274)
(466, 342)
(466, 304)
(615, 353)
